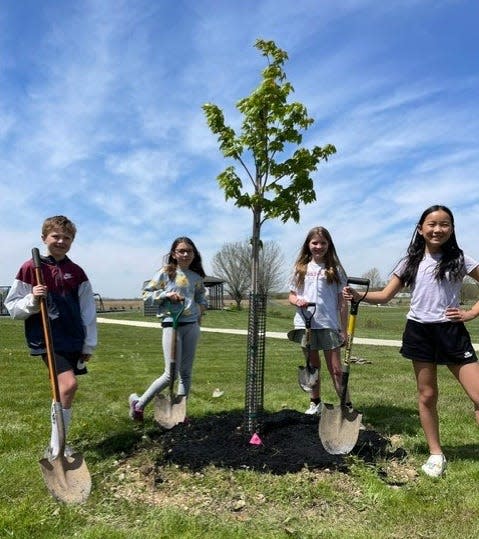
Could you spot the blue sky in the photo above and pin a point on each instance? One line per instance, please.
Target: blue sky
(101, 120)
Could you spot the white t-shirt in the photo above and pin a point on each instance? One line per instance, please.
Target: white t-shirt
(317, 290)
(430, 297)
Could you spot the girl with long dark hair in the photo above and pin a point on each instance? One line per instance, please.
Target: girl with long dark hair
(434, 268)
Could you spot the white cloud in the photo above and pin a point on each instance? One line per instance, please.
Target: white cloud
(101, 120)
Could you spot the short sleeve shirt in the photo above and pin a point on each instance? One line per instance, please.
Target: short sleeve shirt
(317, 290)
(430, 297)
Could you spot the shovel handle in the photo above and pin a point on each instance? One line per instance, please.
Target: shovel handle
(175, 315)
(361, 282)
(176, 310)
(350, 336)
(308, 315)
(344, 385)
(358, 281)
(47, 332)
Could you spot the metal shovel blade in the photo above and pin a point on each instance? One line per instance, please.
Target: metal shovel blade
(170, 411)
(67, 478)
(339, 428)
(307, 377)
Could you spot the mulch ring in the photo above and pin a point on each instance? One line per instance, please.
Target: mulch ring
(289, 443)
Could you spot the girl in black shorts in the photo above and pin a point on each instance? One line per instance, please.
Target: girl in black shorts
(434, 268)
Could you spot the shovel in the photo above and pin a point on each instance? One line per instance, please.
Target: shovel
(171, 409)
(307, 374)
(339, 425)
(67, 478)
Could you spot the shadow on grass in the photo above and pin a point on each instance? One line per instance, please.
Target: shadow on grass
(392, 419)
(461, 452)
(117, 444)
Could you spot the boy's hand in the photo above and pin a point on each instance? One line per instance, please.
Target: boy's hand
(39, 291)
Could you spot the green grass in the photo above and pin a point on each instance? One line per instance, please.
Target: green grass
(383, 322)
(217, 503)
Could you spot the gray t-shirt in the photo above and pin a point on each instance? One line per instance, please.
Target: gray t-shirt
(429, 296)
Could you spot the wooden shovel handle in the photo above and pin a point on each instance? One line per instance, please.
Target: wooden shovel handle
(47, 333)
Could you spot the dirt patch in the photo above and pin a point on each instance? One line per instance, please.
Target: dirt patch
(289, 443)
(199, 456)
(189, 467)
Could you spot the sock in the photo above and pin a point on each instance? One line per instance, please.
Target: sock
(54, 441)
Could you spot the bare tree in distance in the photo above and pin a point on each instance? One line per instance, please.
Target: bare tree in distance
(469, 290)
(374, 278)
(233, 264)
(271, 268)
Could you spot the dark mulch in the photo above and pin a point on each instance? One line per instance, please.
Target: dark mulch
(290, 442)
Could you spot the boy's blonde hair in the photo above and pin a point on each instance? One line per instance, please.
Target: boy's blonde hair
(58, 221)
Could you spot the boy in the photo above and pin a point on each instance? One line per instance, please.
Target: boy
(71, 310)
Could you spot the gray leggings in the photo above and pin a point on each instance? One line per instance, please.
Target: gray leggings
(187, 337)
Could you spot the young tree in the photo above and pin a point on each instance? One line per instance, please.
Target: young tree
(271, 125)
(274, 188)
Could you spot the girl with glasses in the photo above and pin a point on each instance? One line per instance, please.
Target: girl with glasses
(179, 281)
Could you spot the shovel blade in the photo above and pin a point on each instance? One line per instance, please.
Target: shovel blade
(307, 377)
(339, 428)
(67, 478)
(170, 411)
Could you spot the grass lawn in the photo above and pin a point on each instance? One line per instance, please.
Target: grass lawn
(387, 499)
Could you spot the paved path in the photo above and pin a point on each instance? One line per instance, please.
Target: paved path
(271, 334)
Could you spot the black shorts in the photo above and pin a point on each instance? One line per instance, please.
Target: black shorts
(445, 343)
(68, 361)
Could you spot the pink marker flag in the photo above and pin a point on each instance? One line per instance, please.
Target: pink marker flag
(255, 440)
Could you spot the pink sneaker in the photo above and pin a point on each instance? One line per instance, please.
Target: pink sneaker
(136, 413)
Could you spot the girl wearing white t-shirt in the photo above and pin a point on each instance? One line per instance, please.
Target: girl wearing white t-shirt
(319, 278)
(434, 268)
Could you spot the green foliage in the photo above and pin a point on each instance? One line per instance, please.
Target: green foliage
(271, 126)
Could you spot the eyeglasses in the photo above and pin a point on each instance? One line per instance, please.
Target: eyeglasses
(184, 252)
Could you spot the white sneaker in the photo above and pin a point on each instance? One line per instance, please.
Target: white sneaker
(435, 466)
(136, 413)
(314, 409)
